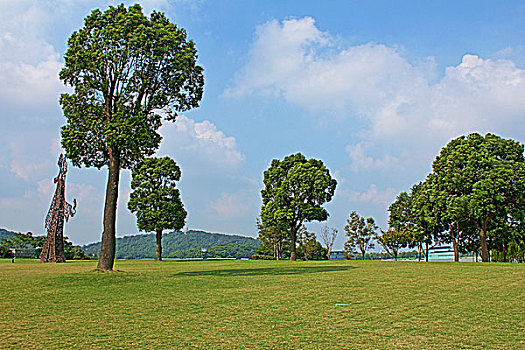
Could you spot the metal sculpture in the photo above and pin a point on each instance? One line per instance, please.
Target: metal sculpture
(53, 249)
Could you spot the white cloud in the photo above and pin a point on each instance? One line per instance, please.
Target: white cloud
(361, 161)
(187, 138)
(231, 206)
(404, 107)
(29, 64)
(33, 157)
(374, 195)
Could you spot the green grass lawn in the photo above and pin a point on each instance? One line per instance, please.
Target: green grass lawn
(262, 305)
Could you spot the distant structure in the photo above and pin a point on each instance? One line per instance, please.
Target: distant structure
(53, 249)
(337, 255)
(441, 253)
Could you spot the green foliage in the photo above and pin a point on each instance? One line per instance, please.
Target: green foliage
(262, 257)
(294, 193)
(360, 233)
(5, 252)
(155, 198)
(309, 248)
(18, 240)
(393, 240)
(400, 212)
(410, 212)
(125, 67)
(127, 70)
(274, 240)
(514, 253)
(474, 196)
(180, 245)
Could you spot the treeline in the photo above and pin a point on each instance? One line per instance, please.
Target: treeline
(16, 240)
(192, 244)
(474, 199)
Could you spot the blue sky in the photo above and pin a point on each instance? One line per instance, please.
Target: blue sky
(373, 88)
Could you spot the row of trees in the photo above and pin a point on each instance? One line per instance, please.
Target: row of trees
(27, 240)
(474, 199)
(130, 71)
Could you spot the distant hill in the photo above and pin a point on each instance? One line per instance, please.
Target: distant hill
(182, 245)
(4, 234)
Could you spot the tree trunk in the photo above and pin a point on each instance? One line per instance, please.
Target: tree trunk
(426, 251)
(158, 250)
(504, 252)
(395, 255)
(363, 255)
(456, 250)
(483, 241)
(106, 257)
(294, 239)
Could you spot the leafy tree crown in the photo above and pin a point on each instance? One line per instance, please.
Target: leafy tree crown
(155, 199)
(127, 70)
(295, 191)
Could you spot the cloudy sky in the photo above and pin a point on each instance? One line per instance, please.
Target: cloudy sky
(373, 88)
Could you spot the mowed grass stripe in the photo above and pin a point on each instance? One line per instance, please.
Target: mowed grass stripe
(262, 305)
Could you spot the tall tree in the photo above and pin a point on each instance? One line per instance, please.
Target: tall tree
(328, 236)
(478, 179)
(127, 71)
(155, 198)
(294, 193)
(360, 233)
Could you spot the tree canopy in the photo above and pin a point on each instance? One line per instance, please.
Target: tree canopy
(155, 198)
(294, 193)
(127, 70)
(473, 198)
(393, 240)
(477, 181)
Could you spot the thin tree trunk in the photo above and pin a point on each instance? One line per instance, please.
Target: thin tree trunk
(106, 257)
(158, 250)
(456, 250)
(426, 251)
(363, 255)
(483, 241)
(504, 253)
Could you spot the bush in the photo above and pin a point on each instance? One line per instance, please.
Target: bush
(262, 257)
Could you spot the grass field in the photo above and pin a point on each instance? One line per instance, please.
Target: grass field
(262, 305)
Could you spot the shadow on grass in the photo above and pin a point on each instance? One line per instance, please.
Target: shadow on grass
(269, 271)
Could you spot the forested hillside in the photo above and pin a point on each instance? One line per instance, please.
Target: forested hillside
(182, 245)
(4, 234)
